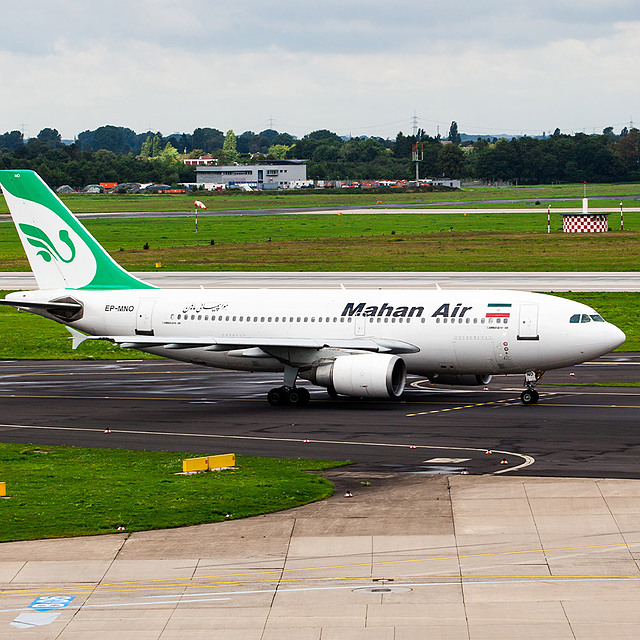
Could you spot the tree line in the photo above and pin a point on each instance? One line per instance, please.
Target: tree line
(118, 154)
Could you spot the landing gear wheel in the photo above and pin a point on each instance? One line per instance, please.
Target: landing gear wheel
(298, 396)
(529, 396)
(277, 397)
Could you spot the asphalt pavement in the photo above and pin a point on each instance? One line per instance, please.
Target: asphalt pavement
(577, 431)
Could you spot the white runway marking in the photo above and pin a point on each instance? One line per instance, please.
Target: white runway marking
(527, 460)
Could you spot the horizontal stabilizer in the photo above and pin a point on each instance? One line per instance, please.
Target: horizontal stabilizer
(29, 305)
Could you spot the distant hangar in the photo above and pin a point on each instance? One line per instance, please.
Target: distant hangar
(270, 174)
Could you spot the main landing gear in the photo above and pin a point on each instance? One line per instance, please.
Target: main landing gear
(530, 395)
(288, 394)
(294, 396)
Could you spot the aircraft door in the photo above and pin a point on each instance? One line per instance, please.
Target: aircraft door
(360, 325)
(528, 322)
(144, 325)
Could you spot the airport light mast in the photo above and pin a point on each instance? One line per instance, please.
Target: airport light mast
(417, 155)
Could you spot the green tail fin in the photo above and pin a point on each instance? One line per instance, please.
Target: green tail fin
(61, 252)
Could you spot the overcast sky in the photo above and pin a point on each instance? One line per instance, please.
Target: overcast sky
(354, 66)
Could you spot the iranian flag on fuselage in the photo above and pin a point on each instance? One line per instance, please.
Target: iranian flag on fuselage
(498, 310)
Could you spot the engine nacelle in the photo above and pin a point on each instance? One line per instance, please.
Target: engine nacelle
(465, 380)
(371, 375)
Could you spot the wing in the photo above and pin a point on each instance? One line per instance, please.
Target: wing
(377, 345)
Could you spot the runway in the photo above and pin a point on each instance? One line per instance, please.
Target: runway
(518, 280)
(580, 431)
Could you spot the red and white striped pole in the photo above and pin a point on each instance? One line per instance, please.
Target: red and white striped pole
(621, 218)
(549, 218)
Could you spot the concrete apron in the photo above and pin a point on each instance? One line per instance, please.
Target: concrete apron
(410, 556)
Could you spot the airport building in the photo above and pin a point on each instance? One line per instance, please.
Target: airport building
(270, 174)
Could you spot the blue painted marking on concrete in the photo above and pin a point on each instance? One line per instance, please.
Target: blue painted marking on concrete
(50, 603)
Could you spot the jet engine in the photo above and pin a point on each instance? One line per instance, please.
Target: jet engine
(465, 380)
(370, 375)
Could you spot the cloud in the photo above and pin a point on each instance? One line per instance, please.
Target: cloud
(360, 66)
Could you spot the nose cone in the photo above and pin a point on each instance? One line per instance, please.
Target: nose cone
(613, 337)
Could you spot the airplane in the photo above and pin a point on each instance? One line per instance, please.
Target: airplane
(354, 343)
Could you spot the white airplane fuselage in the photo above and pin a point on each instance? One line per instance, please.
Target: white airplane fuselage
(454, 332)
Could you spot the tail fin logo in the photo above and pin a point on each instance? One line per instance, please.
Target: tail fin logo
(40, 240)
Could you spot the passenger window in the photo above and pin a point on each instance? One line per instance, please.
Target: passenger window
(575, 318)
(585, 318)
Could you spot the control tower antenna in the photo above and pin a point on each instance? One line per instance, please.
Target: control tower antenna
(414, 121)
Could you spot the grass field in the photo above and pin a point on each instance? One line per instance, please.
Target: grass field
(227, 200)
(378, 242)
(24, 336)
(70, 491)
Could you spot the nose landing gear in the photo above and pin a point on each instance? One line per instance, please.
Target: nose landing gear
(530, 395)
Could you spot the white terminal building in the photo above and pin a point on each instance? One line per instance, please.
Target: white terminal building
(271, 174)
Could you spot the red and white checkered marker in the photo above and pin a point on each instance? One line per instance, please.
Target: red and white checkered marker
(120, 528)
(591, 223)
(306, 441)
(504, 461)
(486, 389)
(348, 494)
(107, 430)
(464, 472)
(413, 446)
(572, 374)
(488, 452)
(200, 205)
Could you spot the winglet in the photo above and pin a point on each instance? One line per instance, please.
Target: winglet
(77, 338)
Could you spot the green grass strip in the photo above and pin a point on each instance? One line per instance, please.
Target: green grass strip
(71, 491)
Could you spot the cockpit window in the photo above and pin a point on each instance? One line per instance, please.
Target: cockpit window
(597, 318)
(585, 318)
(575, 318)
